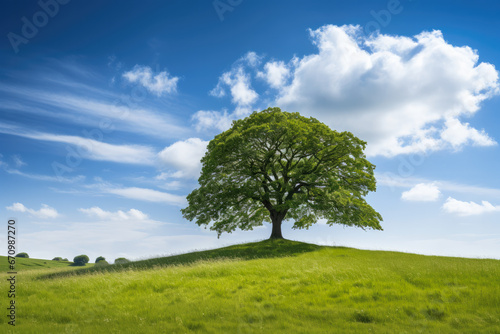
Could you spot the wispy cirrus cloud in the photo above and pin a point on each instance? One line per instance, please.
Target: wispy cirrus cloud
(49, 178)
(39, 177)
(149, 195)
(119, 111)
(90, 148)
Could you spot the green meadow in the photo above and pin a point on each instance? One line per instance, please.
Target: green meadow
(24, 264)
(271, 286)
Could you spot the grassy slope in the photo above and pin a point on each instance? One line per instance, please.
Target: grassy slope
(286, 287)
(23, 264)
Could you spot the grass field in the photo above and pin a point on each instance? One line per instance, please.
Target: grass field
(24, 264)
(266, 287)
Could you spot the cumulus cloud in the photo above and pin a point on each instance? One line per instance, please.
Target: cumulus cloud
(184, 157)
(239, 84)
(468, 208)
(252, 59)
(44, 213)
(131, 214)
(458, 134)
(275, 73)
(400, 94)
(156, 84)
(422, 192)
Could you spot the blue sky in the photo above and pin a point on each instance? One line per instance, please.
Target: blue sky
(106, 110)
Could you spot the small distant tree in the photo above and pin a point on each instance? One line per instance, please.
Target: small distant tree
(57, 259)
(81, 260)
(25, 255)
(101, 263)
(100, 258)
(65, 259)
(121, 260)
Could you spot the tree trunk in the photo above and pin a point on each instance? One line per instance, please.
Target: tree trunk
(276, 219)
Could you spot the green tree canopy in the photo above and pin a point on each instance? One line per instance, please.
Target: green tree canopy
(121, 260)
(274, 166)
(81, 260)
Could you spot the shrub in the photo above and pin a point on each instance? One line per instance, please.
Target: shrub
(22, 255)
(121, 260)
(65, 259)
(100, 258)
(57, 259)
(80, 260)
(101, 263)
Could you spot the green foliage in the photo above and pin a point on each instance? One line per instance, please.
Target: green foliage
(28, 264)
(100, 258)
(121, 260)
(80, 260)
(25, 255)
(65, 259)
(274, 166)
(303, 289)
(101, 263)
(57, 259)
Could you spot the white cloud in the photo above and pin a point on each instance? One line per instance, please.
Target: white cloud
(124, 112)
(44, 213)
(458, 134)
(49, 178)
(149, 195)
(399, 94)
(422, 192)
(90, 148)
(18, 161)
(275, 73)
(393, 181)
(157, 84)
(212, 119)
(252, 59)
(184, 156)
(468, 208)
(239, 84)
(131, 214)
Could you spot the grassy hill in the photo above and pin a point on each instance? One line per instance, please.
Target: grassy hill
(23, 264)
(267, 287)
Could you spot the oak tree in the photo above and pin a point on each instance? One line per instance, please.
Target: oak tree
(274, 166)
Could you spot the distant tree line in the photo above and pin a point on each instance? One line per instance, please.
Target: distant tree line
(82, 260)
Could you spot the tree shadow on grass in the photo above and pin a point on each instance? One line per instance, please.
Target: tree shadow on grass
(257, 250)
